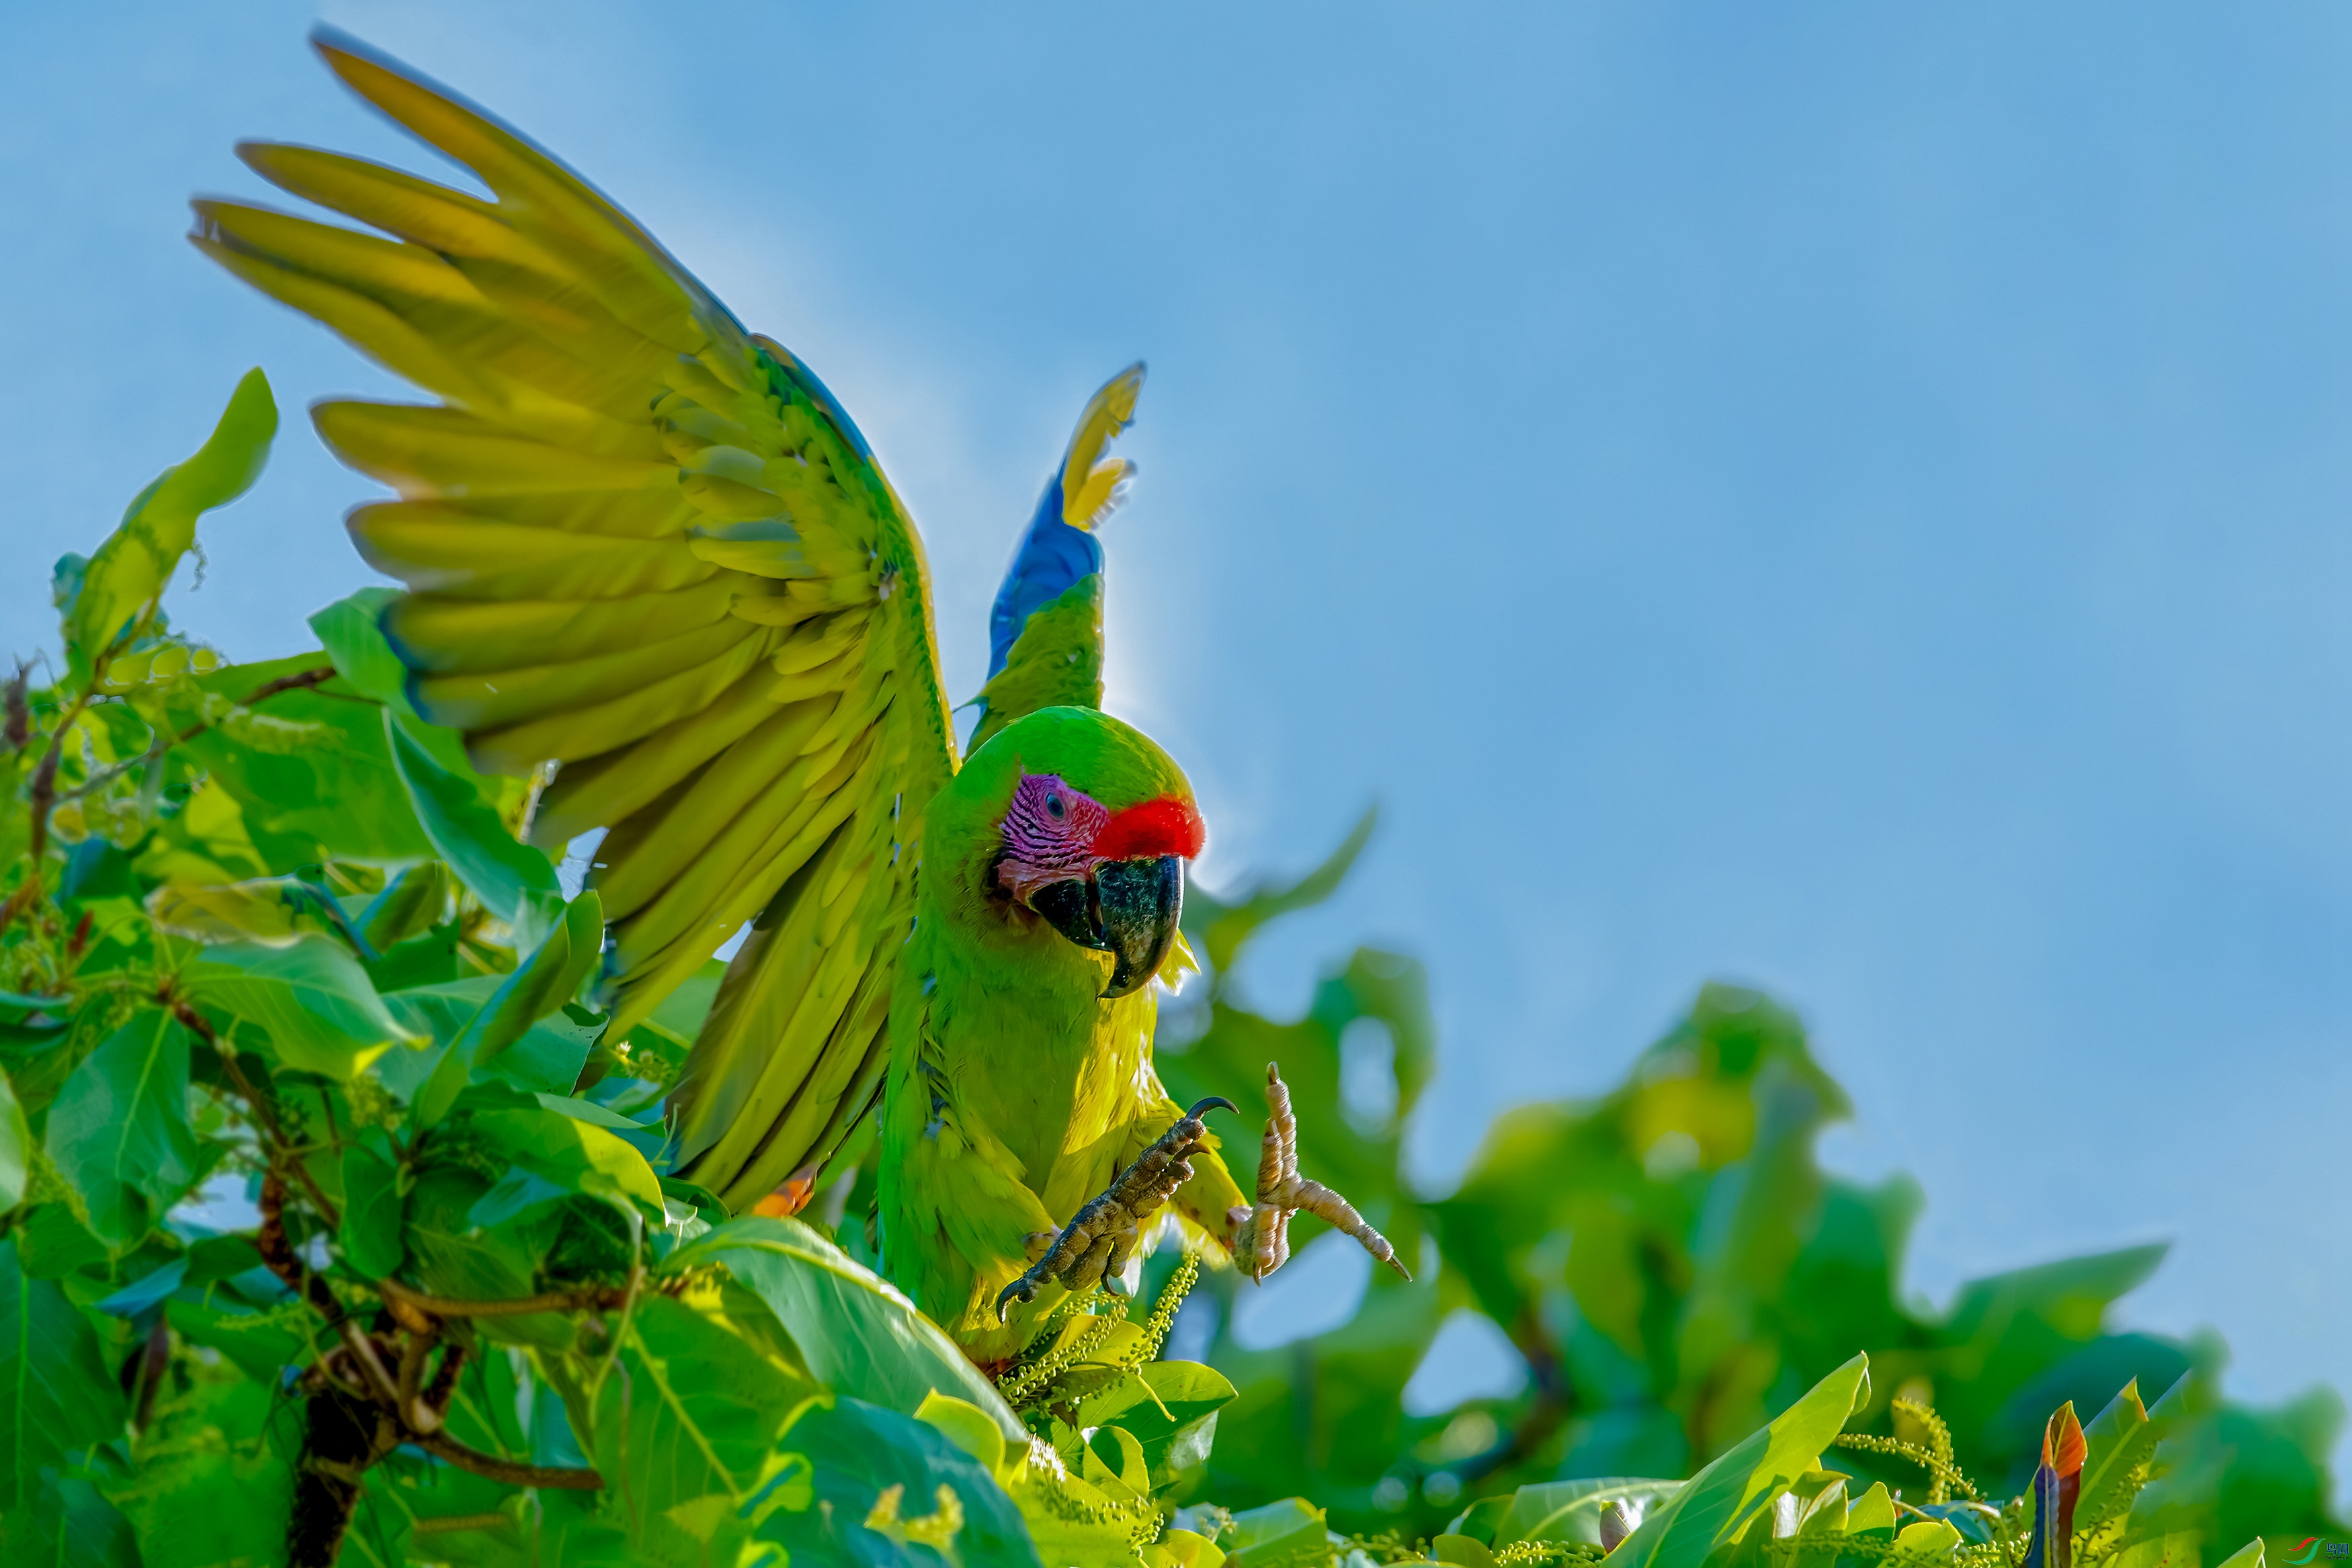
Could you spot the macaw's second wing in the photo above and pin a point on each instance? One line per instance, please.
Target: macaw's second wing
(646, 545)
(1045, 635)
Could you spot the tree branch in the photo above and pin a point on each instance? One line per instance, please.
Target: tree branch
(442, 1446)
(300, 680)
(587, 1298)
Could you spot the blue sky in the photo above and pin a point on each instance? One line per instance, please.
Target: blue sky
(1853, 499)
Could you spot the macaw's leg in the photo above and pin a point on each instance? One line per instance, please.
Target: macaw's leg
(1095, 1246)
(1261, 1234)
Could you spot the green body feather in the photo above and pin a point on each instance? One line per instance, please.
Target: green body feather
(1014, 1094)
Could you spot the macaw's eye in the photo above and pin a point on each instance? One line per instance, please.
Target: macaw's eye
(1053, 806)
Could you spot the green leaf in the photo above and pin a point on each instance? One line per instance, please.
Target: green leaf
(856, 1334)
(52, 1243)
(216, 1482)
(16, 1147)
(410, 905)
(1167, 1407)
(70, 1525)
(372, 1208)
(274, 911)
(696, 1416)
(2117, 1439)
(574, 1155)
(547, 1058)
(1570, 1511)
(515, 881)
(1286, 1534)
(879, 1484)
(351, 631)
(55, 1391)
(131, 568)
(453, 1257)
(119, 1129)
(312, 1000)
(259, 1344)
(1717, 1503)
(332, 795)
(543, 982)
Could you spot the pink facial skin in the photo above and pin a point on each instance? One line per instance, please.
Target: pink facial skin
(1049, 835)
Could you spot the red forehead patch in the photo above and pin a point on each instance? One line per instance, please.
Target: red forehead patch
(1163, 827)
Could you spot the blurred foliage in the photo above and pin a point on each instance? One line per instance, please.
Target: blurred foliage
(333, 1225)
(1674, 1268)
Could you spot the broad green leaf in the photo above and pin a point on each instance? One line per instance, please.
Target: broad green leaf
(372, 1208)
(1927, 1540)
(856, 1334)
(892, 1489)
(452, 1256)
(548, 1058)
(16, 1147)
(1286, 1534)
(968, 1426)
(1113, 1460)
(574, 1155)
(1718, 1502)
(410, 905)
(2119, 1439)
(52, 1243)
(70, 1525)
(515, 881)
(56, 1393)
(145, 1292)
(330, 794)
(274, 911)
(696, 1416)
(119, 1129)
(311, 1000)
(351, 631)
(543, 982)
(215, 1480)
(131, 568)
(1872, 1513)
(261, 1344)
(1570, 1511)
(1170, 1407)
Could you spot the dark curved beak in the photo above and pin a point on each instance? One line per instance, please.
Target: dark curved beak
(1129, 909)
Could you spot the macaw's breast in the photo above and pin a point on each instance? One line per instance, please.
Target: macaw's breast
(1032, 1054)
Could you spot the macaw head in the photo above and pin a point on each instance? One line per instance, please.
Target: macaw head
(1081, 824)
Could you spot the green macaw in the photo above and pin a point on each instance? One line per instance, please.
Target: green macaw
(653, 564)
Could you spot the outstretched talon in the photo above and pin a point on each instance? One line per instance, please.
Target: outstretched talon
(1095, 1246)
(1261, 1234)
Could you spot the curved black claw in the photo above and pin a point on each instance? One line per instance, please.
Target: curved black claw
(1108, 1226)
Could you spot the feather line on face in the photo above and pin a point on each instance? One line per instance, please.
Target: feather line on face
(1049, 834)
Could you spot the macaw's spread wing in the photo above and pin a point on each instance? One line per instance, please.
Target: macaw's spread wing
(1045, 635)
(644, 545)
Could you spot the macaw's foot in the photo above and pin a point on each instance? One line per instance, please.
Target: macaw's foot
(1261, 1234)
(1093, 1249)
